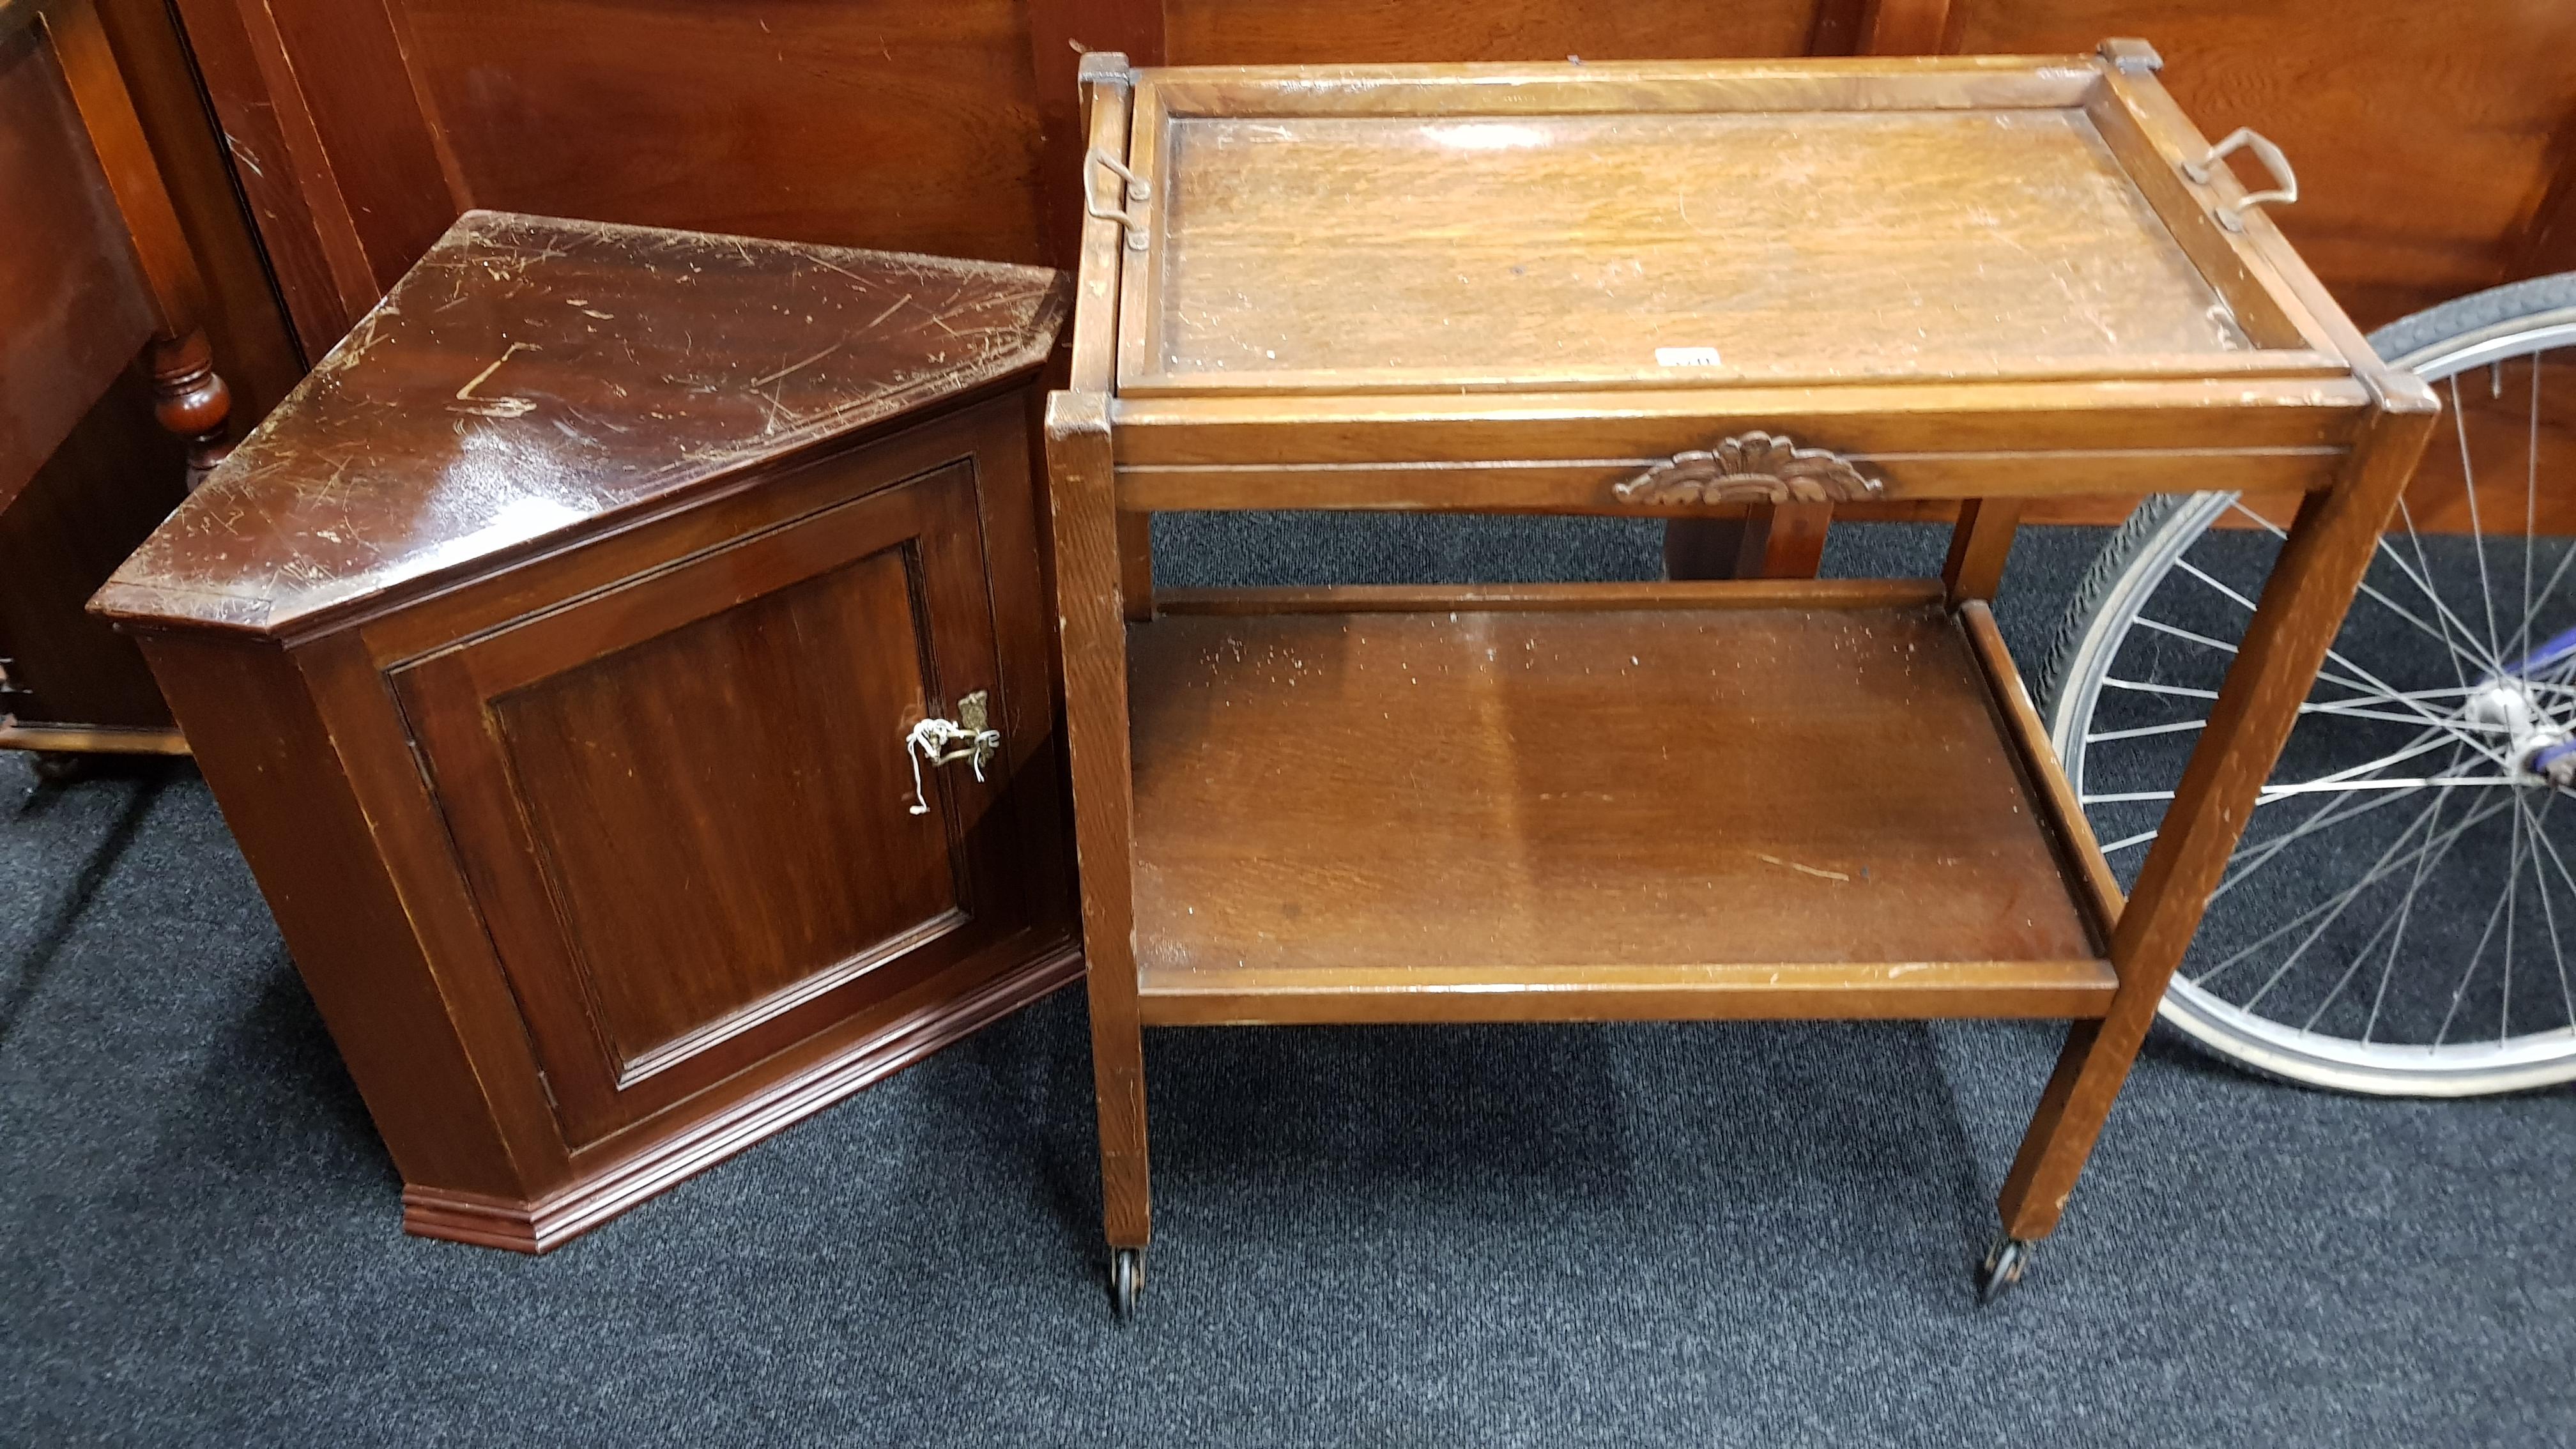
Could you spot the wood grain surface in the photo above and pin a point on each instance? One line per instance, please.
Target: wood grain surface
(74, 307)
(1494, 792)
(1263, 32)
(532, 377)
(1924, 244)
(900, 126)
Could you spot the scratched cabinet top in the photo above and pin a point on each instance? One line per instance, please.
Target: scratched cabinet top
(531, 376)
(1536, 228)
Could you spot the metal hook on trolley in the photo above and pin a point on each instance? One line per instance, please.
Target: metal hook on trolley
(1134, 191)
(2231, 215)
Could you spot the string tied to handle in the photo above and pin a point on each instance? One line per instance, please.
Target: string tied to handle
(939, 742)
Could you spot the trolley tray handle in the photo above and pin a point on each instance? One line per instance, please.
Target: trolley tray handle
(2206, 170)
(1134, 190)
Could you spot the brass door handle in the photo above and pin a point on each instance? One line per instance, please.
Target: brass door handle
(939, 742)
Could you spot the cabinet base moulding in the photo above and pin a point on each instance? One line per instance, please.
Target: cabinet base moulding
(540, 1225)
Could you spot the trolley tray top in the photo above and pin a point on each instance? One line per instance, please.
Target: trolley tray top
(1525, 228)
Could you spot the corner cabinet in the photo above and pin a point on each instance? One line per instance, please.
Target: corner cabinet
(623, 663)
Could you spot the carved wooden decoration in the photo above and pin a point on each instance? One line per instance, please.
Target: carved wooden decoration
(1750, 468)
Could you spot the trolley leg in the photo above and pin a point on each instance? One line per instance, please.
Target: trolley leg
(2053, 1150)
(1088, 564)
(1126, 1189)
(2302, 607)
(1118, 1075)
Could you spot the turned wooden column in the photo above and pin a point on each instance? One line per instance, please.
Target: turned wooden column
(189, 398)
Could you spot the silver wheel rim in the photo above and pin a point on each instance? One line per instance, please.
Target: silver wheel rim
(2503, 700)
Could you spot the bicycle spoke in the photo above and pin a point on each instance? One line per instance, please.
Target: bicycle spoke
(2334, 810)
(2530, 508)
(2512, 918)
(2340, 710)
(2161, 627)
(2177, 727)
(2422, 744)
(2557, 576)
(2274, 793)
(2477, 532)
(2390, 692)
(2418, 782)
(2396, 941)
(2237, 598)
(2442, 1033)
(2537, 820)
(2367, 686)
(2331, 907)
(2441, 607)
(2360, 957)
(2378, 872)
(2143, 687)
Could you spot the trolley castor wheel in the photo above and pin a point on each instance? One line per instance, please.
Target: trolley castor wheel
(1126, 1276)
(2006, 1261)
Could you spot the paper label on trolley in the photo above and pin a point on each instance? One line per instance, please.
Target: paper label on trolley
(1686, 357)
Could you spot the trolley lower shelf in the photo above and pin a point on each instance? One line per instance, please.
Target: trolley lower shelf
(1589, 802)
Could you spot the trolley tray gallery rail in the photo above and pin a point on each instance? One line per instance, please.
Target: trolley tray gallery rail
(1700, 290)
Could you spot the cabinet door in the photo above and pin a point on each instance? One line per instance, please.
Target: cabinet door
(685, 807)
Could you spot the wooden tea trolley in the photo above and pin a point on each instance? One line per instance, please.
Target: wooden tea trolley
(1674, 290)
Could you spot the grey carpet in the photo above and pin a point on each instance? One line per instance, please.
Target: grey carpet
(1756, 1235)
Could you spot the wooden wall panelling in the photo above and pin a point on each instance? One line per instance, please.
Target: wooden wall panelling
(320, 272)
(949, 128)
(253, 348)
(74, 310)
(1267, 32)
(882, 123)
(384, 147)
(2401, 205)
(1903, 27)
(2548, 241)
(1061, 32)
(101, 269)
(328, 80)
(100, 492)
(902, 126)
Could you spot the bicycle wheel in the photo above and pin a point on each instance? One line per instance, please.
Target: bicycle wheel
(2399, 914)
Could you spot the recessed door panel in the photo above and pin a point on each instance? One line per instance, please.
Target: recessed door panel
(708, 826)
(684, 805)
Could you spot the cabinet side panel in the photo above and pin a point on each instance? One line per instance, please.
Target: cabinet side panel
(264, 750)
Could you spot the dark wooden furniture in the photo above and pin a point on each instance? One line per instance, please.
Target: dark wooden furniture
(553, 651)
(1674, 290)
(96, 276)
